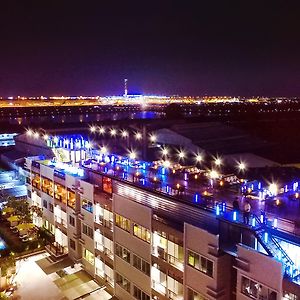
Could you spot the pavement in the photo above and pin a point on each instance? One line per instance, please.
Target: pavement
(40, 278)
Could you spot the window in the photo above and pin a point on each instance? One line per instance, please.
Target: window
(123, 222)
(89, 256)
(51, 208)
(192, 295)
(139, 294)
(122, 252)
(200, 263)
(72, 221)
(87, 230)
(71, 199)
(45, 204)
(256, 290)
(29, 194)
(72, 244)
(107, 185)
(87, 205)
(123, 282)
(142, 233)
(141, 264)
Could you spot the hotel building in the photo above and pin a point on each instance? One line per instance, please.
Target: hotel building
(145, 242)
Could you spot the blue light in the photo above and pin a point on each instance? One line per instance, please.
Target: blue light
(224, 206)
(275, 223)
(196, 198)
(217, 210)
(262, 218)
(185, 176)
(234, 216)
(253, 222)
(167, 189)
(144, 166)
(259, 185)
(143, 181)
(266, 237)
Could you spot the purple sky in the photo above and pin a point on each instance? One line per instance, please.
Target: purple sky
(165, 47)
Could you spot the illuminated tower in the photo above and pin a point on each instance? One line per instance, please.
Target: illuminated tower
(125, 88)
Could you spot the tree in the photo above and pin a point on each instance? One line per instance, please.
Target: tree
(21, 208)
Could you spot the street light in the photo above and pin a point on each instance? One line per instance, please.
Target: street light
(138, 135)
(93, 129)
(181, 154)
(113, 132)
(165, 151)
(36, 135)
(124, 134)
(167, 164)
(132, 155)
(102, 130)
(103, 150)
(241, 166)
(273, 188)
(153, 138)
(46, 137)
(213, 174)
(218, 161)
(29, 132)
(198, 158)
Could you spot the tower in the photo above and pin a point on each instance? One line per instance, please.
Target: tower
(125, 88)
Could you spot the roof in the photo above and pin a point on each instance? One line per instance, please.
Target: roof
(217, 137)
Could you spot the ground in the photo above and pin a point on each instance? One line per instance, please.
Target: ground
(39, 278)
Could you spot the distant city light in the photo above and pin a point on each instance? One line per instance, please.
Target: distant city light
(36, 135)
(93, 129)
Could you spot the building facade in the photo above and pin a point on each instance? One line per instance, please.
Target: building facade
(145, 245)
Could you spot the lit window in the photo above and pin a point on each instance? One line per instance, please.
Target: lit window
(89, 256)
(122, 222)
(142, 233)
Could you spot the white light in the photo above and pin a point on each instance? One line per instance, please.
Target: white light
(138, 135)
(101, 130)
(124, 133)
(29, 132)
(218, 161)
(46, 137)
(153, 138)
(242, 166)
(55, 139)
(165, 151)
(113, 132)
(36, 135)
(213, 174)
(199, 157)
(273, 188)
(166, 164)
(181, 154)
(132, 155)
(93, 128)
(103, 150)
(88, 145)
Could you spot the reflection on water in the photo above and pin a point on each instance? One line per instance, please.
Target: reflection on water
(83, 118)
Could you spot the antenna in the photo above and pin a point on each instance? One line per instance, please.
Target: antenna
(125, 88)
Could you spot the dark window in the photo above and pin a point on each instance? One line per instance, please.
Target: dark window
(45, 203)
(72, 244)
(51, 208)
(72, 221)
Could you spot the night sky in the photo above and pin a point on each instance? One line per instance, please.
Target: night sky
(166, 47)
